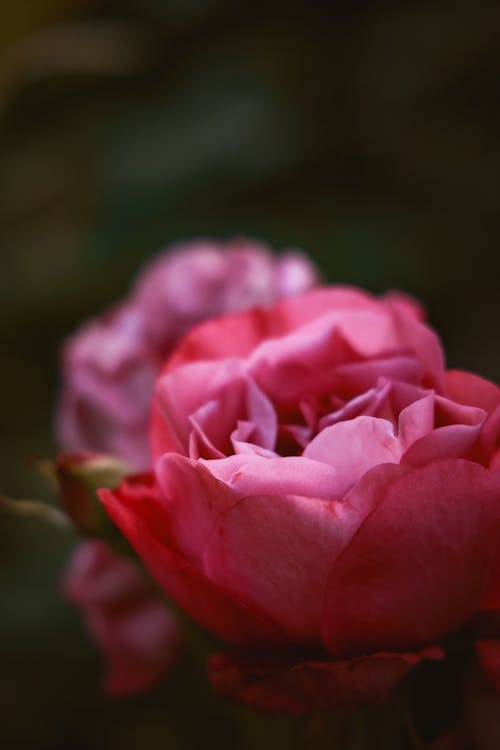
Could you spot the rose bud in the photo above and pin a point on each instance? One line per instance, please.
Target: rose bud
(79, 476)
(323, 497)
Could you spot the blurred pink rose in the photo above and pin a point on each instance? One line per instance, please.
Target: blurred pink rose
(137, 634)
(110, 365)
(108, 372)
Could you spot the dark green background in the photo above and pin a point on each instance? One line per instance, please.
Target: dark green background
(364, 132)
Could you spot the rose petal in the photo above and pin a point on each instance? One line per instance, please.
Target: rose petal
(199, 597)
(418, 566)
(191, 497)
(255, 475)
(179, 394)
(237, 401)
(472, 390)
(405, 304)
(355, 446)
(275, 552)
(310, 686)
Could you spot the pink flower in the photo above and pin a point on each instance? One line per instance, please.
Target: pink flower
(110, 366)
(137, 634)
(323, 490)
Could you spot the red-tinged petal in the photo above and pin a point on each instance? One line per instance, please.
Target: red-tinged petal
(200, 598)
(418, 566)
(226, 337)
(452, 441)
(421, 340)
(275, 552)
(237, 334)
(310, 686)
(192, 498)
(472, 390)
(490, 439)
(458, 428)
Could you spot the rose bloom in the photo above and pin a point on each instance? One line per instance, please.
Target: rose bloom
(324, 497)
(108, 372)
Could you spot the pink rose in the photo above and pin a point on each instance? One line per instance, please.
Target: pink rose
(137, 634)
(109, 366)
(109, 369)
(323, 491)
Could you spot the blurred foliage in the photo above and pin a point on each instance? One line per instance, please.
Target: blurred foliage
(365, 132)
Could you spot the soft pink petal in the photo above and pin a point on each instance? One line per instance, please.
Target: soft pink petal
(237, 335)
(458, 428)
(237, 404)
(295, 475)
(179, 394)
(302, 362)
(275, 552)
(416, 420)
(354, 447)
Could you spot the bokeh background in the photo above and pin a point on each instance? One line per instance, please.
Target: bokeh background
(365, 132)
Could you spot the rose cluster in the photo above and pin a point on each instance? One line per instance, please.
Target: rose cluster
(322, 495)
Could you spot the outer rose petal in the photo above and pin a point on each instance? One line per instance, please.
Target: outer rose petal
(131, 623)
(405, 304)
(418, 566)
(275, 552)
(472, 390)
(309, 686)
(237, 335)
(203, 600)
(192, 498)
